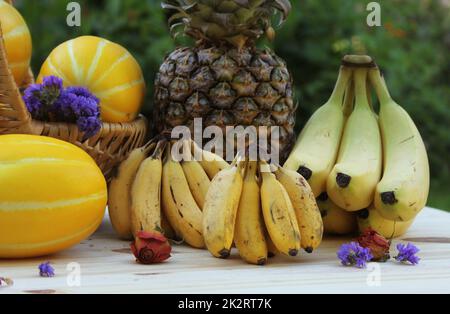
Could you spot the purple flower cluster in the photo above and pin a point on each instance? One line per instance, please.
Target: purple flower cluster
(407, 253)
(353, 254)
(49, 101)
(356, 254)
(46, 270)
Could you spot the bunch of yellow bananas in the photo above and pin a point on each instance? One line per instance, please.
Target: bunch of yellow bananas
(262, 210)
(153, 192)
(359, 162)
(209, 203)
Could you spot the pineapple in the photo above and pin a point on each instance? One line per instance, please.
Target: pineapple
(225, 79)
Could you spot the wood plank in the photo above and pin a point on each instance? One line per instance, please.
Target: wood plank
(107, 266)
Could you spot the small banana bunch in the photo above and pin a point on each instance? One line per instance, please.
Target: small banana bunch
(263, 210)
(153, 192)
(366, 169)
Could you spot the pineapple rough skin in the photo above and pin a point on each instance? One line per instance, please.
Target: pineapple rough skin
(226, 87)
(224, 79)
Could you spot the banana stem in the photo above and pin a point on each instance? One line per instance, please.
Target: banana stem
(361, 88)
(338, 93)
(150, 146)
(159, 150)
(380, 85)
(250, 172)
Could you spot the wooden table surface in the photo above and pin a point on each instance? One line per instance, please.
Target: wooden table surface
(107, 266)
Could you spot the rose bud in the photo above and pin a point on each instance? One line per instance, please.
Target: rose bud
(151, 247)
(377, 244)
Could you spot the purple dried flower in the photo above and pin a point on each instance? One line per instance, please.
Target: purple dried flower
(89, 125)
(81, 91)
(353, 254)
(49, 101)
(32, 98)
(407, 253)
(46, 270)
(52, 83)
(40, 99)
(78, 105)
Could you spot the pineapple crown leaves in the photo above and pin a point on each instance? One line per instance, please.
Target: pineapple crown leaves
(232, 21)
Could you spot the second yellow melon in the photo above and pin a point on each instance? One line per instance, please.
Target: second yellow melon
(17, 39)
(107, 69)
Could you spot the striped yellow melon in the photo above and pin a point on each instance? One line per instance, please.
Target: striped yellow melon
(52, 196)
(17, 41)
(107, 69)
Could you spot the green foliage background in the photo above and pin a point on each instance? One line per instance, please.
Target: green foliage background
(412, 47)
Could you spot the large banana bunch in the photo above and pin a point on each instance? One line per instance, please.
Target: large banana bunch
(360, 164)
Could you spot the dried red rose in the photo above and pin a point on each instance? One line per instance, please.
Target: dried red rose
(151, 248)
(378, 245)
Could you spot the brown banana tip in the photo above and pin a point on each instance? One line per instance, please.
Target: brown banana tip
(343, 180)
(309, 250)
(293, 252)
(388, 198)
(271, 255)
(363, 214)
(323, 197)
(262, 261)
(305, 172)
(224, 253)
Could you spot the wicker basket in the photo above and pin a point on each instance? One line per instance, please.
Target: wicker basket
(108, 148)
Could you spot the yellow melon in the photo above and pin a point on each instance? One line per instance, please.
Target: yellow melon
(17, 40)
(52, 196)
(107, 69)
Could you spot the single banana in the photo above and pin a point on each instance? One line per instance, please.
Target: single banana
(279, 214)
(371, 218)
(336, 221)
(211, 163)
(198, 180)
(179, 205)
(221, 205)
(249, 231)
(308, 214)
(119, 192)
(351, 184)
(403, 191)
(315, 152)
(146, 194)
